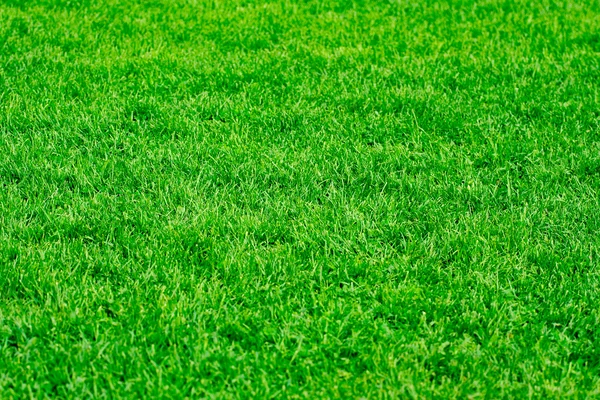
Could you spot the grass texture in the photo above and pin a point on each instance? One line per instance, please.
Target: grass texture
(300, 199)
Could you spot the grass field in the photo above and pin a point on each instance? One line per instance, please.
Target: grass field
(303, 199)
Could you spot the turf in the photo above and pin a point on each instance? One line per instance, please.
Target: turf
(291, 199)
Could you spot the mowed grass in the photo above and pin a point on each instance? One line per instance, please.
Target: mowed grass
(318, 199)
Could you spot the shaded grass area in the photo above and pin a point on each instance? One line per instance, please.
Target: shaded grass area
(299, 199)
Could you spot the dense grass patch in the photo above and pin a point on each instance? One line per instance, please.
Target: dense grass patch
(299, 199)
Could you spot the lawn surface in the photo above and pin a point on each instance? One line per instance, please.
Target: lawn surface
(300, 199)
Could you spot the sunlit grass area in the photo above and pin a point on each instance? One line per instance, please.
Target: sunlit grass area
(300, 199)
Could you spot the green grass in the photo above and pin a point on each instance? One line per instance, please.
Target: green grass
(300, 199)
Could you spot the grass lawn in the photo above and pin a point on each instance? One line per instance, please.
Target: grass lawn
(300, 199)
